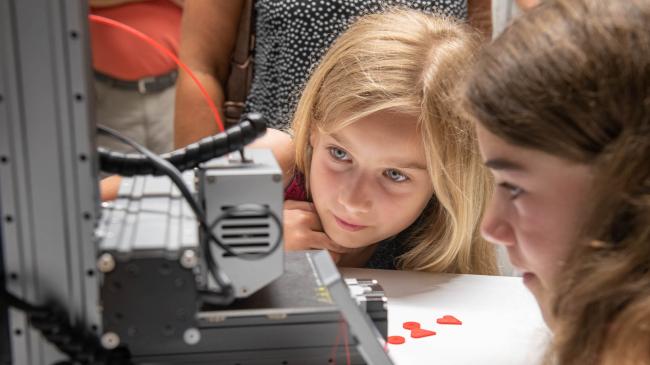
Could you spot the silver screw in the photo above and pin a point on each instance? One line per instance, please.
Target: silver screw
(192, 336)
(110, 340)
(211, 179)
(276, 178)
(106, 263)
(189, 259)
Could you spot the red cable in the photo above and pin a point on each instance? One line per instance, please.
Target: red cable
(110, 22)
(343, 328)
(345, 343)
(336, 342)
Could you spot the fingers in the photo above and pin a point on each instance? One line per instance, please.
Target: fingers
(300, 216)
(303, 229)
(299, 205)
(305, 232)
(305, 239)
(109, 187)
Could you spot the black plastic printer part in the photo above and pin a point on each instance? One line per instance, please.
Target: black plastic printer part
(233, 139)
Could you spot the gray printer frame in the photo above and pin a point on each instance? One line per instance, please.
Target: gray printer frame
(48, 185)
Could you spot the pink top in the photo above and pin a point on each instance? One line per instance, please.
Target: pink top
(296, 188)
(123, 56)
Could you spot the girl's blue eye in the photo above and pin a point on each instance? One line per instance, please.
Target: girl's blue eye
(338, 154)
(514, 191)
(395, 175)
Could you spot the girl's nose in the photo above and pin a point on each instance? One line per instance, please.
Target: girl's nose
(496, 226)
(357, 195)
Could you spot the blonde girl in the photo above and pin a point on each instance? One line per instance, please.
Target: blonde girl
(385, 172)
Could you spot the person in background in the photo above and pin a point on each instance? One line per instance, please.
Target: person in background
(385, 173)
(562, 107)
(526, 5)
(290, 39)
(504, 11)
(134, 82)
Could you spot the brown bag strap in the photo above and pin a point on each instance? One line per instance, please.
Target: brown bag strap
(241, 67)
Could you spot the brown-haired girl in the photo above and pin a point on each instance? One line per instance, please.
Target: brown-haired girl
(562, 101)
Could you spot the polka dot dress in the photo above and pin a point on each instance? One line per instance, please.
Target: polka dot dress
(292, 35)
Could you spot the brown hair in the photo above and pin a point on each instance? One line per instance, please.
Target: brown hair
(572, 79)
(413, 63)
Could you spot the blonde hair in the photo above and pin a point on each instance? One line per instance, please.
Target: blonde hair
(412, 63)
(572, 79)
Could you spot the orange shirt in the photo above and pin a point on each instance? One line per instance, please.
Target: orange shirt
(123, 56)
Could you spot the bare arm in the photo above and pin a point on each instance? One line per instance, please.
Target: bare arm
(208, 34)
(283, 149)
(109, 187)
(479, 13)
(107, 3)
(527, 4)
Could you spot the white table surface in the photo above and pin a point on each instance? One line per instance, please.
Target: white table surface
(502, 324)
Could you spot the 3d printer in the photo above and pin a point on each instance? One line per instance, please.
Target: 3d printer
(138, 280)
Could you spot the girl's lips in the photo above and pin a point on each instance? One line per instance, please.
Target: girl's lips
(348, 226)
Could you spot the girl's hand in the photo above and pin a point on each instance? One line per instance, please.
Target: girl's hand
(303, 230)
(109, 187)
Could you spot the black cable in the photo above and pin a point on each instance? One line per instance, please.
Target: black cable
(80, 347)
(227, 295)
(242, 208)
(233, 139)
(164, 166)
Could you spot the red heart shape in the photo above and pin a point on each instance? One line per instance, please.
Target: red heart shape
(447, 319)
(396, 340)
(419, 333)
(411, 325)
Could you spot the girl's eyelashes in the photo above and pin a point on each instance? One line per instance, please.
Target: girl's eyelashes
(513, 190)
(338, 153)
(395, 175)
